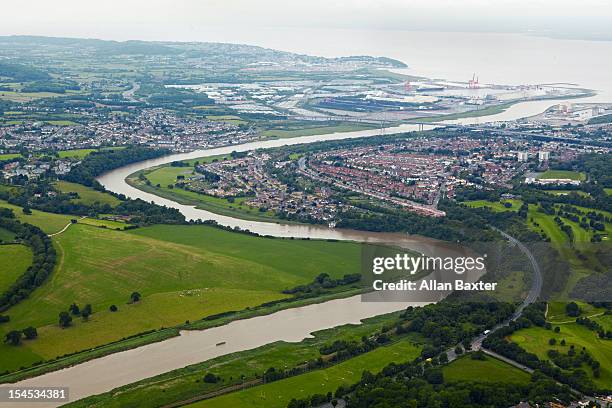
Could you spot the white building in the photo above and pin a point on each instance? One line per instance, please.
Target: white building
(543, 156)
(523, 156)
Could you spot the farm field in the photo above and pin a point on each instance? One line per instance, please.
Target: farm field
(185, 383)
(87, 195)
(6, 235)
(183, 273)
(535, 340)
(48, 222)
(279, 393)
(14, 260)
(489, 370)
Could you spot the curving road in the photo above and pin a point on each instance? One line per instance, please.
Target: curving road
(532, 296)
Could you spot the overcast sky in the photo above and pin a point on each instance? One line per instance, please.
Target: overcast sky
(237, 20)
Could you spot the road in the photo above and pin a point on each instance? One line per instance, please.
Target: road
(129, 94)
(532, 296)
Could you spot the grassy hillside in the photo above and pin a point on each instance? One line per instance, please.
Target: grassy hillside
(183, 273)
(48, 222)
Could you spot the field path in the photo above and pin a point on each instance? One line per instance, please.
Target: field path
(63, 229)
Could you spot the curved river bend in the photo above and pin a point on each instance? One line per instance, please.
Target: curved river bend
(292, 325)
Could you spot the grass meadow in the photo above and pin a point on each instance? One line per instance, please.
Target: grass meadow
(489, 370)
(87, 195)
(14, 260)
(278, 394)
(183, 273)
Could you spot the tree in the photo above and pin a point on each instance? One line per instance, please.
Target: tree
(557, 329)
(443, 358)
(65, 319)
(13, 338)
(30, 333)
(552, 342)
(135, 297)
(74, 309)
(478, 355)
(86, 312)
(27, 211)
(572, 309)
(113, 308)
(458, 350)
(434, 376)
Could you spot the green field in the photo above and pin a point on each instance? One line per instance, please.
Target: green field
(495, 206)
(556, 312)
(562, 174)
(183, 272)
(233, 119)
(566, 192)
(81, 153)
(8, 156)
(6, 235)
(87, 195)
(489, 370)
(535, 340)
(490, 110)
(608, 191)
(14, 260)
(48, 222)
(279, 393)
(118, 225)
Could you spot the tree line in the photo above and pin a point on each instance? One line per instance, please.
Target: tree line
(43, 259)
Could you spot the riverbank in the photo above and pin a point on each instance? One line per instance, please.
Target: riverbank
(201, 201)
(154, 336)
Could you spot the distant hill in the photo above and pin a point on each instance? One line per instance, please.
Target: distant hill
(28, 44)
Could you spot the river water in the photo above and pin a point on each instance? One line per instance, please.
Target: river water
(499, 58)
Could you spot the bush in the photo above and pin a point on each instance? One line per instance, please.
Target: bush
(210, 378)
(30, 333)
